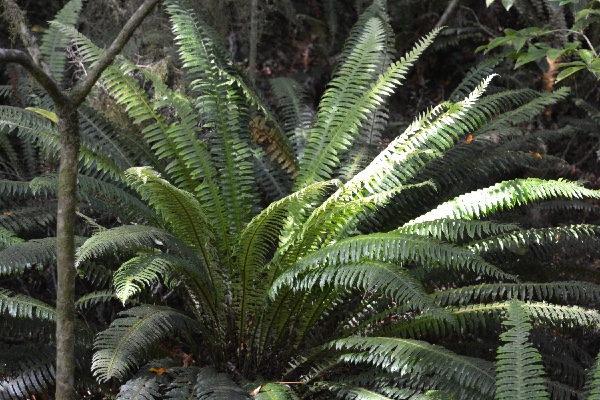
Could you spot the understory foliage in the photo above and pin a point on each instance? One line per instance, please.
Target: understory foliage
(296, 257)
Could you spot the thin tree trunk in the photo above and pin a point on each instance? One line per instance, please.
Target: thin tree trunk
(65, 253)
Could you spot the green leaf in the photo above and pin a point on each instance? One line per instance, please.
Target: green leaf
(508, 4)
(565, 73)
(586, 55)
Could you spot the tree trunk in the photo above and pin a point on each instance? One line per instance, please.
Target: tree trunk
(65, 252)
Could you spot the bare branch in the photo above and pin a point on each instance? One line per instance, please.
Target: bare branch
(40, 75)
(16, 17)
(83, 87)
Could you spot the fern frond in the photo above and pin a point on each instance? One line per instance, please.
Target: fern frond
(123, 345)
(128, 239)
(146, 384)
(96, 274)
(426, 138)
(349, 99)
(21, 306)
(392, 247)
(94, 298)
(54, 42)
(394, 282)
(293, 108)
(541, 241)
(346, 391)
(20, 256)
(592, 385)
(224, 111)
(472, 78)
(405, 356)
(32, 372)
(503, 196)
(30, 218)
(184, 216)
(565, 291)
(203, 383)
(7, 239)
(454, 230)
(518, 363)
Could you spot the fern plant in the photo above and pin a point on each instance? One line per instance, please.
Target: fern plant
(363, 277)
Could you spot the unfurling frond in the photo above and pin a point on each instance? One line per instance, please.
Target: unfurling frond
(518, 362)
(123, 345)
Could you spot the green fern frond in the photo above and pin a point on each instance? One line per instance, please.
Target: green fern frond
(392, 247)
(528, 111)
(96, 274)
(20, 256)
(142, 270)
(182, 213)
(565, 291)
(54, 42)
(94, 298)
(123, 345)
(29, 374)
(293, 108)
(518, 363)
(426, 138)
(394, 282)
(224, 111)
(503, 196)
(258, 239)
(352, 96)
(592, 385)
(541, 241)
(128, 239)
(405, 356)
(30, 218)
(14, 188)
(454, 230)
(203, 383)
(472, 78)
(7, 239)
(21, 306)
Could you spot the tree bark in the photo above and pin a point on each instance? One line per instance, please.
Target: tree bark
(66, 104)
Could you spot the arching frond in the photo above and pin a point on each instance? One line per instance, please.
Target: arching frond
(94, 298)
(20, 256)
(563, 291)
(472, 78)
(146, 383)
(22, 306)
(540, 241)
(123, 345)
(128, 238)
(405, 356)
(204, 383)
(7, 239)
(182, 213)
(224, 111)
(346, 391)
(26, 371)
(505, 195)
(593, 381)
(394, 282)
(391, 247)
(457, 229)
(518, 363)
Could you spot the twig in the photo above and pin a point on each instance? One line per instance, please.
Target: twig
(449, 10)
